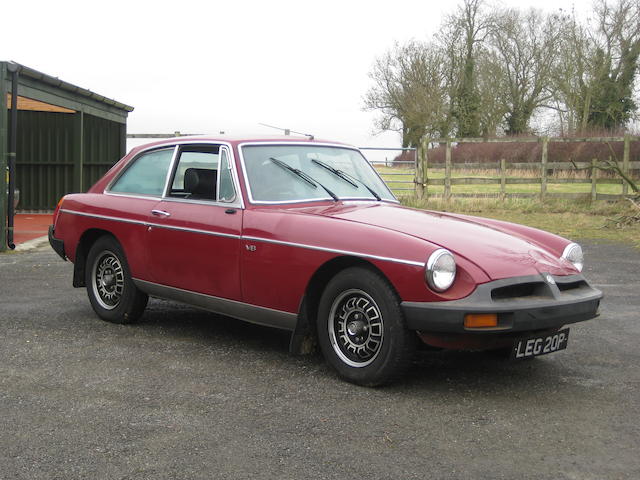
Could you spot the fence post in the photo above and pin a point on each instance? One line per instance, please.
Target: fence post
(447, 171)
(503, 179)
(543, 168)
(419, 180)
(425, 168)
(625, 163)
(594, 179)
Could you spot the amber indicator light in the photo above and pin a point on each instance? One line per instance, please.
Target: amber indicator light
(480, 320)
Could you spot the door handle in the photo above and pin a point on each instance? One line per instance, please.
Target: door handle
(160, 213)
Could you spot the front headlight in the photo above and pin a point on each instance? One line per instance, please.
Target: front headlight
(573, 254)
(441, 270)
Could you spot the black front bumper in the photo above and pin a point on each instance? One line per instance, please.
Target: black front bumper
(56, 244)
(523, 304)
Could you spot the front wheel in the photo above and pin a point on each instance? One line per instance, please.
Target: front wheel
(361, 328)
(112, 293)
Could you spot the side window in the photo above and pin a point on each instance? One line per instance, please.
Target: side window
(227, 192)
(146, 175)
(196, 173)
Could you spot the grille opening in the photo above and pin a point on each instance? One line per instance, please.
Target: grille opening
(571, 285)
(520, 290)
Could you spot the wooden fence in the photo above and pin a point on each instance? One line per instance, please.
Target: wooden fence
(423, 182)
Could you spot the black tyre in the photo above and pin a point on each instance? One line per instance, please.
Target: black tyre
(112, 293)
(361, 328)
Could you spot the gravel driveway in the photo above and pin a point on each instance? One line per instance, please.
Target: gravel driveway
(187, 395)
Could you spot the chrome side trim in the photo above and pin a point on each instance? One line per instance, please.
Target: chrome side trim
(332, 250)
(232, 308)
(102, 217)
(247, 237)
(194, 230)
(151, 224)
(213, 203)
(133, 195)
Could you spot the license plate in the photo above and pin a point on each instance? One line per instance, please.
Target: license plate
(540, 345)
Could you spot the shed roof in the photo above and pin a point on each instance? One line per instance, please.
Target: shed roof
(49, 90)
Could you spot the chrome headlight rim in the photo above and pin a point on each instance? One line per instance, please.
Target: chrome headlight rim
(573, 254)
(430, 270)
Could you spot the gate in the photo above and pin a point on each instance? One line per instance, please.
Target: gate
(399, 172)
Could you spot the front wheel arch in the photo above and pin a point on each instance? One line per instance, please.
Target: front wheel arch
(304, 339)
(361, 328)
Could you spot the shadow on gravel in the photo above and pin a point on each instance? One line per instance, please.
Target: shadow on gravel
(437, 371)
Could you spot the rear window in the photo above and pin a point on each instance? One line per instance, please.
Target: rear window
(146, 175)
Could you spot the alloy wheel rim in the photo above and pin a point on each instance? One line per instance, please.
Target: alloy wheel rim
(356, 328)
(108, 280)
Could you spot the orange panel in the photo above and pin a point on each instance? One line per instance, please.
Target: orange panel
(37, 106)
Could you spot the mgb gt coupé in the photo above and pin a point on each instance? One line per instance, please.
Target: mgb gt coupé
(303, 235)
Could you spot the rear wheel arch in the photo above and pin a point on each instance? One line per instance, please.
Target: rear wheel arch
(304, 337)
(111, 290)
(88, 238)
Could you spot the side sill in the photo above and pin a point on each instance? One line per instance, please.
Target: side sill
(232, 308)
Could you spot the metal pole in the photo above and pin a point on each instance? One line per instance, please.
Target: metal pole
(13, 141)
(4, 172)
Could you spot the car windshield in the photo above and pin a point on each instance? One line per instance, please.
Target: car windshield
(310, 172)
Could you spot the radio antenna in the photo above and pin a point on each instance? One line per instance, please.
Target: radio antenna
(288, 131)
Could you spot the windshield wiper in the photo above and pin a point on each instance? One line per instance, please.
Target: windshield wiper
(307, 178)
(346, 177)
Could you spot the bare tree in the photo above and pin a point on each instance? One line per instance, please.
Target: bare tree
(410, 92)
(616, 63)
(526, 44)
(492, 87)
(572, 78)
(490, 72)
(462, 35)
(597, 67)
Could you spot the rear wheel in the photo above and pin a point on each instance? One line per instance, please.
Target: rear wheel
(361, 328)
(112, 293)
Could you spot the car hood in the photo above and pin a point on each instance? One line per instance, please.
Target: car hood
(498, 253)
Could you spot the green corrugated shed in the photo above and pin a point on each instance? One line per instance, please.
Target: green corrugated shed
(67, 138)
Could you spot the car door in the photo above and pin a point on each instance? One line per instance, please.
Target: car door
(194, 230)
(124, 209)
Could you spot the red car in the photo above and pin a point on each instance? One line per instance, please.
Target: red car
(303, 235)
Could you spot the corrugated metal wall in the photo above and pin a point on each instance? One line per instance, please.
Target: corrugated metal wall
(45, 162)
(102, 140)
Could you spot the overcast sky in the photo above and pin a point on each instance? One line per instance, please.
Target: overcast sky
(203, 67)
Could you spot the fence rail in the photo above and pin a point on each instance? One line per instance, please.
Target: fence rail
(545, 176)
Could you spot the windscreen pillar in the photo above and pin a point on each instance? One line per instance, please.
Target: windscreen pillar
(4, 131)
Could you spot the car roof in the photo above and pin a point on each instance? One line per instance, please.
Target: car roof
(236, 140)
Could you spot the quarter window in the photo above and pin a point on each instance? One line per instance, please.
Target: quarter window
(146, 175)
(227, 192)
